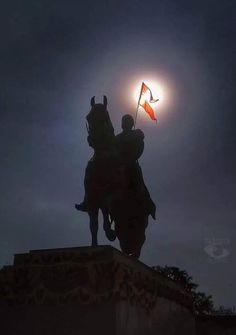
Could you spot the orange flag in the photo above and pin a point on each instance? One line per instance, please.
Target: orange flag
(148, 109)
(145, 104)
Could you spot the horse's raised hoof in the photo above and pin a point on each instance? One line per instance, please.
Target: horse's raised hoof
(81, 207)
(110, 234)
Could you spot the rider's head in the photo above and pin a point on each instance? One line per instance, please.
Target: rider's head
(127, 122)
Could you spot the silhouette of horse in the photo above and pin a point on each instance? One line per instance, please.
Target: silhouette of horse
(106, 187)
(98, 174)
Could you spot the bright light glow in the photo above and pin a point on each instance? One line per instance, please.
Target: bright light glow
(157, 92)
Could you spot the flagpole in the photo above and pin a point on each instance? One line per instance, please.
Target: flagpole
(136, 114)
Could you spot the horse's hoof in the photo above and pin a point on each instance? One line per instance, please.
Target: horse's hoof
(111, 235)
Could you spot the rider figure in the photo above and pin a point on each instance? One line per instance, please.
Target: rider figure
(130, 145)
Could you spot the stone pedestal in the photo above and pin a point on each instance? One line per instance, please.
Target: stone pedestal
(89, 290)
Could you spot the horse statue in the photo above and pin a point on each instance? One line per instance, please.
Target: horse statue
(98, 171)
(114, 182)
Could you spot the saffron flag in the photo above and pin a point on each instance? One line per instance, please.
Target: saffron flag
(144, 103)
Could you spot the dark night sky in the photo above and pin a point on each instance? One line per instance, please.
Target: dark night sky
(55, 55)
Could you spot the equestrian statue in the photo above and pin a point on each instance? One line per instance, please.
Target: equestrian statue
(114, 182)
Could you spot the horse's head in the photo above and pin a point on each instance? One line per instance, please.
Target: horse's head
(98, 106)
(98, 113)
(99, 126)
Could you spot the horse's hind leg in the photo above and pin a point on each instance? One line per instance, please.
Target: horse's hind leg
(93, 224)
(110, 233)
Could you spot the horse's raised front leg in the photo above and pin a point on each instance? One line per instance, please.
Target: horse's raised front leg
(110, 233)
(93, 224)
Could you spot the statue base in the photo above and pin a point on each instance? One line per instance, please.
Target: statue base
(88, 290)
